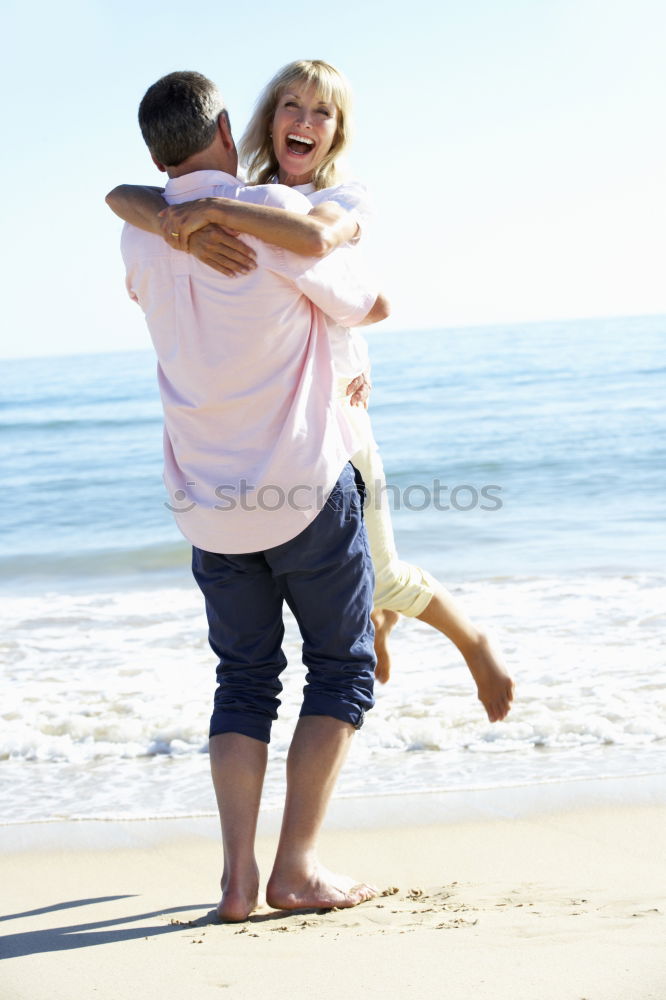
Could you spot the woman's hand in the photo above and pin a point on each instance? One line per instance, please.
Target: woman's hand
(220, 249)
(359, 390)
(178, 222)
(195, 227)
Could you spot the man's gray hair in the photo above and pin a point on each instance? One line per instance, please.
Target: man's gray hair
(178, 116)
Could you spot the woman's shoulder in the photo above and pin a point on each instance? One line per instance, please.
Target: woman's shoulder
(351, 188)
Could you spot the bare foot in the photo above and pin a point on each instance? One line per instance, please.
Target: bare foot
(495, 687)
(239, 897)
(322, 890)
(384, 621)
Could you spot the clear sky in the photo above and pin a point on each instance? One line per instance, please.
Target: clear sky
(515, 149)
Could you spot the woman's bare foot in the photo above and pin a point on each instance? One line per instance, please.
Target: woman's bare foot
(495, 687)
(239, 897)
(384, 621)
(321, 890)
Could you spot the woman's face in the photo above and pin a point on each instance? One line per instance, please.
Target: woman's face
(304, 129)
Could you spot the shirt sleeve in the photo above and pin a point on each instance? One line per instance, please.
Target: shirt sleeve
(353, 196)
(126, 251)
(337, 283)
(334, 283)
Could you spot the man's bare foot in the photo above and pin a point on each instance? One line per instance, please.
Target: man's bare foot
(322, 890)
(239, 898)
(384, 621)
(495, 687)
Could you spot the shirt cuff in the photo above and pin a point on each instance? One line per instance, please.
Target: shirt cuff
(358, 315)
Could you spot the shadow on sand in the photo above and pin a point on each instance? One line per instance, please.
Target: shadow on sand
(84, 935)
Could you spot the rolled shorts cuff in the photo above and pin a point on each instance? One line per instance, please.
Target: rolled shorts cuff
(246, 725)
(351, 714)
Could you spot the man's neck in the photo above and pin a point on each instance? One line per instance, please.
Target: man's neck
(195, 163)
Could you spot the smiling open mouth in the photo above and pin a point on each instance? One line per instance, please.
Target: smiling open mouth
(299, 144)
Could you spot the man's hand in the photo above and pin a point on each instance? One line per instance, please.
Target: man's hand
(359, 390)
(221, 250)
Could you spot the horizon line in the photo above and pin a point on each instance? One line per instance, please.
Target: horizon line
(453, 327)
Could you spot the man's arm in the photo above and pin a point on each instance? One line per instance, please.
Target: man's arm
(380, 310)
(337, 285)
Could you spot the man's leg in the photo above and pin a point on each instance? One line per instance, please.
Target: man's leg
(317, 752)
(238, 766)
(244, 609)
(326, 578)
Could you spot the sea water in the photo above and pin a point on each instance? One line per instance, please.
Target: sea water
(526, 470)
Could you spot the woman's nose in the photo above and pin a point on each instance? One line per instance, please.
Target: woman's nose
(304, 117)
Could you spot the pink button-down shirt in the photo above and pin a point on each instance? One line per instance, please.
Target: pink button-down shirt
(253, 442)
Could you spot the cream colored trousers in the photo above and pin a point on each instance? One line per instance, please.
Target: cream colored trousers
(399, 586)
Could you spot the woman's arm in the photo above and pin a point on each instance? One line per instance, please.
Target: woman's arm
(141, 207)
(326, 226)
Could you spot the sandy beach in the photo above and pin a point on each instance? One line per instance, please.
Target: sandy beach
(555, 892)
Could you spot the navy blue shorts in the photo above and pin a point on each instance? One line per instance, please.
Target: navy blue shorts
(325, 576)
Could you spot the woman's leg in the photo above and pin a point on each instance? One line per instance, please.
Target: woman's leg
(401, 588)
(493, 684)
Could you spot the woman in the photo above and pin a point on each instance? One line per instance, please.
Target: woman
(297, 136)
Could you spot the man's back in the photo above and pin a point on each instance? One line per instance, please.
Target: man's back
(245, 376)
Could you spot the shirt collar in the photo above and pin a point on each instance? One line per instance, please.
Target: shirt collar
(199, 179)
(308, 188)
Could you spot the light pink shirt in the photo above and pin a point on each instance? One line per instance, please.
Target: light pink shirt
(349, 348)
(253, 442)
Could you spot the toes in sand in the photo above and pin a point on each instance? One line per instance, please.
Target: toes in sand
(322, 890)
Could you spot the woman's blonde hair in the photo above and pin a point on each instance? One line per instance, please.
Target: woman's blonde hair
(256, 146)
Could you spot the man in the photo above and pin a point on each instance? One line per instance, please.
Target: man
(256, 462)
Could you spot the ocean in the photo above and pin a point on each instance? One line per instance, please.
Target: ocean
(526, 469)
